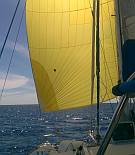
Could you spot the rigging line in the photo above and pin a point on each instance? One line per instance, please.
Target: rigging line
(12, 55)
(111, 104)
(102, 46)
(103, 40)
(104, 64)
(106, 70)
(5, 41)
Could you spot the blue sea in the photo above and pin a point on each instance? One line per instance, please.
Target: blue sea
(23, 127)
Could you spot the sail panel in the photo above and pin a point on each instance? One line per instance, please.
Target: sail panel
(59, 38)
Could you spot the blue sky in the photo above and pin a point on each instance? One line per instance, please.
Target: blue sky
(19, 87)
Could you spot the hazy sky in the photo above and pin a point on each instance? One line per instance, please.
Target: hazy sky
(19, 87)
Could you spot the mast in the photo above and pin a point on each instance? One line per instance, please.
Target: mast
(93, 52)
(93, 57)
(98, 68)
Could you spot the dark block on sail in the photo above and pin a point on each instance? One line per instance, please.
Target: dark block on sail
(128, 59)
(128, 68)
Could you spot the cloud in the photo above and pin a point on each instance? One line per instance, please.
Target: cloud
(19, 99)
(14, 81)
(19, 48)
(18, 90)
(22, 49)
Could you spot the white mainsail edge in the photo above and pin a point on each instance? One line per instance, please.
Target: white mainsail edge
(125, 26)
(118, 39)
(127, 10)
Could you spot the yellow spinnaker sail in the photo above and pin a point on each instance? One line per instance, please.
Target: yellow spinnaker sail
(59, 38)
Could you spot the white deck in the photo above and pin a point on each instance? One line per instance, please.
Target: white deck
(126, 148)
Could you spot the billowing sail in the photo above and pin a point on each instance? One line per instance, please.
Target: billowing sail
(59, 38)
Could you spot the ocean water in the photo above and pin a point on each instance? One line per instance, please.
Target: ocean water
(23, 127)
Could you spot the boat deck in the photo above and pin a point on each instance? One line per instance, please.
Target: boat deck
(116, 149)
(123, 148)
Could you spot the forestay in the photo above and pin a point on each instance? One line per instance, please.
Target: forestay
(59, 38)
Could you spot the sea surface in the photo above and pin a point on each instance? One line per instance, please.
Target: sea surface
(23, 127)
